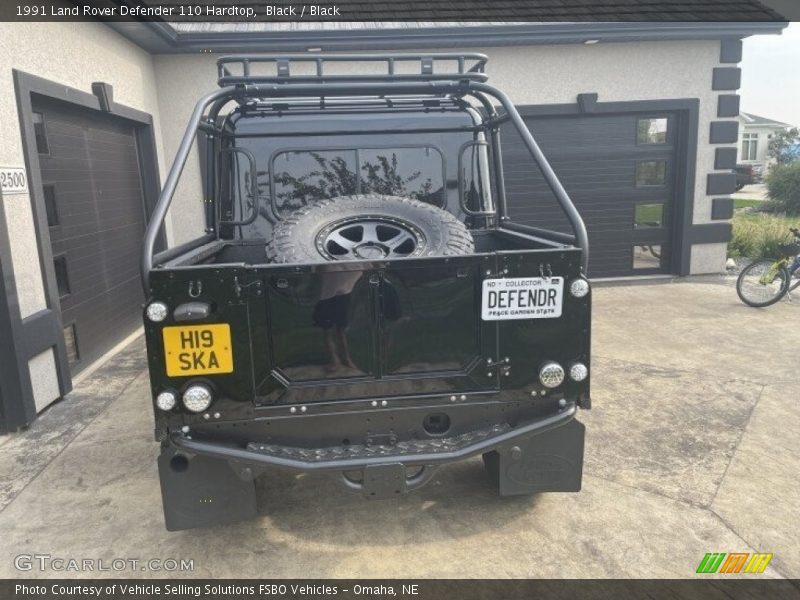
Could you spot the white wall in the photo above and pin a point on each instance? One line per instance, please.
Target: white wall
(530, 75)
(764, 135)
(74, 54)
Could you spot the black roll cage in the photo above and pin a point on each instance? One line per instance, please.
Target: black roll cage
(468, 80)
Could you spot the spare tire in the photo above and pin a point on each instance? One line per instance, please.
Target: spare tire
(367, 227)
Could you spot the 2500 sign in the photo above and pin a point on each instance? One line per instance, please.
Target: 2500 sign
(13, 180)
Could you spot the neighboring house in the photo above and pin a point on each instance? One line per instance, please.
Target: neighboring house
(754, 135)
(639, 120)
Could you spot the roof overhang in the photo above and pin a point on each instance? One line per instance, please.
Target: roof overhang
(161, 38)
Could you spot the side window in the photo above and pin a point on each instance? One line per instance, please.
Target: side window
(474, 181)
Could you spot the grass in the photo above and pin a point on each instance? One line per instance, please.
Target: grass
(746, 203)
(758, 235)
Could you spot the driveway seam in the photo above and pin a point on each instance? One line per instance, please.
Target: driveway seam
(738, 443)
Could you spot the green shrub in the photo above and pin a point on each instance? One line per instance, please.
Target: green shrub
(783, 183)
(760, 235)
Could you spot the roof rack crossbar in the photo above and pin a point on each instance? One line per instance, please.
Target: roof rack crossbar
(437, 66)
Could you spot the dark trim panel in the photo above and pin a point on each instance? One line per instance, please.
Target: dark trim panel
(725, 158)
(721, 184)
(728, 105)
(43, 330)
(160, 38)
(710, 233)
(16, 390)
(726, 78)
(724, 132)
(722, 209)
(686, 130)
(730, 51)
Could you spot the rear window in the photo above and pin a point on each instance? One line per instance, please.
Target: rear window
(303, 176)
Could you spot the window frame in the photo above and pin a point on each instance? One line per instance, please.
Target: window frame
(750, 143)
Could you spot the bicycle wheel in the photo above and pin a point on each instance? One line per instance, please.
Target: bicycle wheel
(762, 283)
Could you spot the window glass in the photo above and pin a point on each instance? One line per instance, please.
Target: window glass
(651, 172)
(62, 278)
(410, 172)
(649, 215)
(647, 257)
(305, 176)
(651, 131)
(71, 343)
(42, 147)
(474, 180)
(50, 204)
(749, 146)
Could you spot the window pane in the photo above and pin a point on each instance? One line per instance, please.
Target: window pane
(39, 130)
(646, 257)
(651, 172)
(474, 178)
(50, 204)
(62, 278)
(409, 172)
(71, 343)
(651, 131)
(649, 215)
(302, 177)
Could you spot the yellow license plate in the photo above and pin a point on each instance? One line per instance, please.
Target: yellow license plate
(198, 350)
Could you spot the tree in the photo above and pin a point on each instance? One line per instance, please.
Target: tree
(784, 147)
(783, 183)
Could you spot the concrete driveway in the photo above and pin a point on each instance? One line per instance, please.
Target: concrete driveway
(754, 191)
(691, 448)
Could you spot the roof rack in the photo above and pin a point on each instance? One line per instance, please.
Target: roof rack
(238, 70)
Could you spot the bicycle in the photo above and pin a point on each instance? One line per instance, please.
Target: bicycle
(766, 281)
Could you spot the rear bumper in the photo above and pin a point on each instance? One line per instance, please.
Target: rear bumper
(207, 483)
(432, 452)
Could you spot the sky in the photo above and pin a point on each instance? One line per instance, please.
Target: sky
(771, 75)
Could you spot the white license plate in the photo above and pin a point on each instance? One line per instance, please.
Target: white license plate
(522, 298)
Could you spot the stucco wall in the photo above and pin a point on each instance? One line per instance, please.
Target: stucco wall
(530, 75)
(73, 54)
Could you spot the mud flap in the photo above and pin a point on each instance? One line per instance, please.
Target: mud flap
(202, 492)
(548, 462)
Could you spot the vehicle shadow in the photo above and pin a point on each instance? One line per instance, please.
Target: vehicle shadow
(459, 501)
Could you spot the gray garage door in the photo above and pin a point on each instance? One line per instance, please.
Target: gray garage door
(620, 171)
(95, 211)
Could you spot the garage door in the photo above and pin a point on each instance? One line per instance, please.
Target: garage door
(620, 171)
(92, 189)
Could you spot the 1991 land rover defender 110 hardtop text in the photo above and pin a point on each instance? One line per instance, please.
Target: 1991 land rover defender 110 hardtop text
(361, 304)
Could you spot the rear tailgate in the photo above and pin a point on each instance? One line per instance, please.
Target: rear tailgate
(362, 330)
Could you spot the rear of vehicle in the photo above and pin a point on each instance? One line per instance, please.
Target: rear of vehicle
(361, 304)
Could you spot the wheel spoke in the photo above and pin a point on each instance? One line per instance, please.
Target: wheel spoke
(337, 238)
(370, 232)
(401, 238)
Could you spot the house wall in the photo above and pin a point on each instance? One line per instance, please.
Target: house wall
(764, 135)
(73, 54)
(553, 74)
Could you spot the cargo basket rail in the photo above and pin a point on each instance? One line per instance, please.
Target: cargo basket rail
(440, 66)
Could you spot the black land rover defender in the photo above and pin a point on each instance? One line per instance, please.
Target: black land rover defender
(361, 304)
